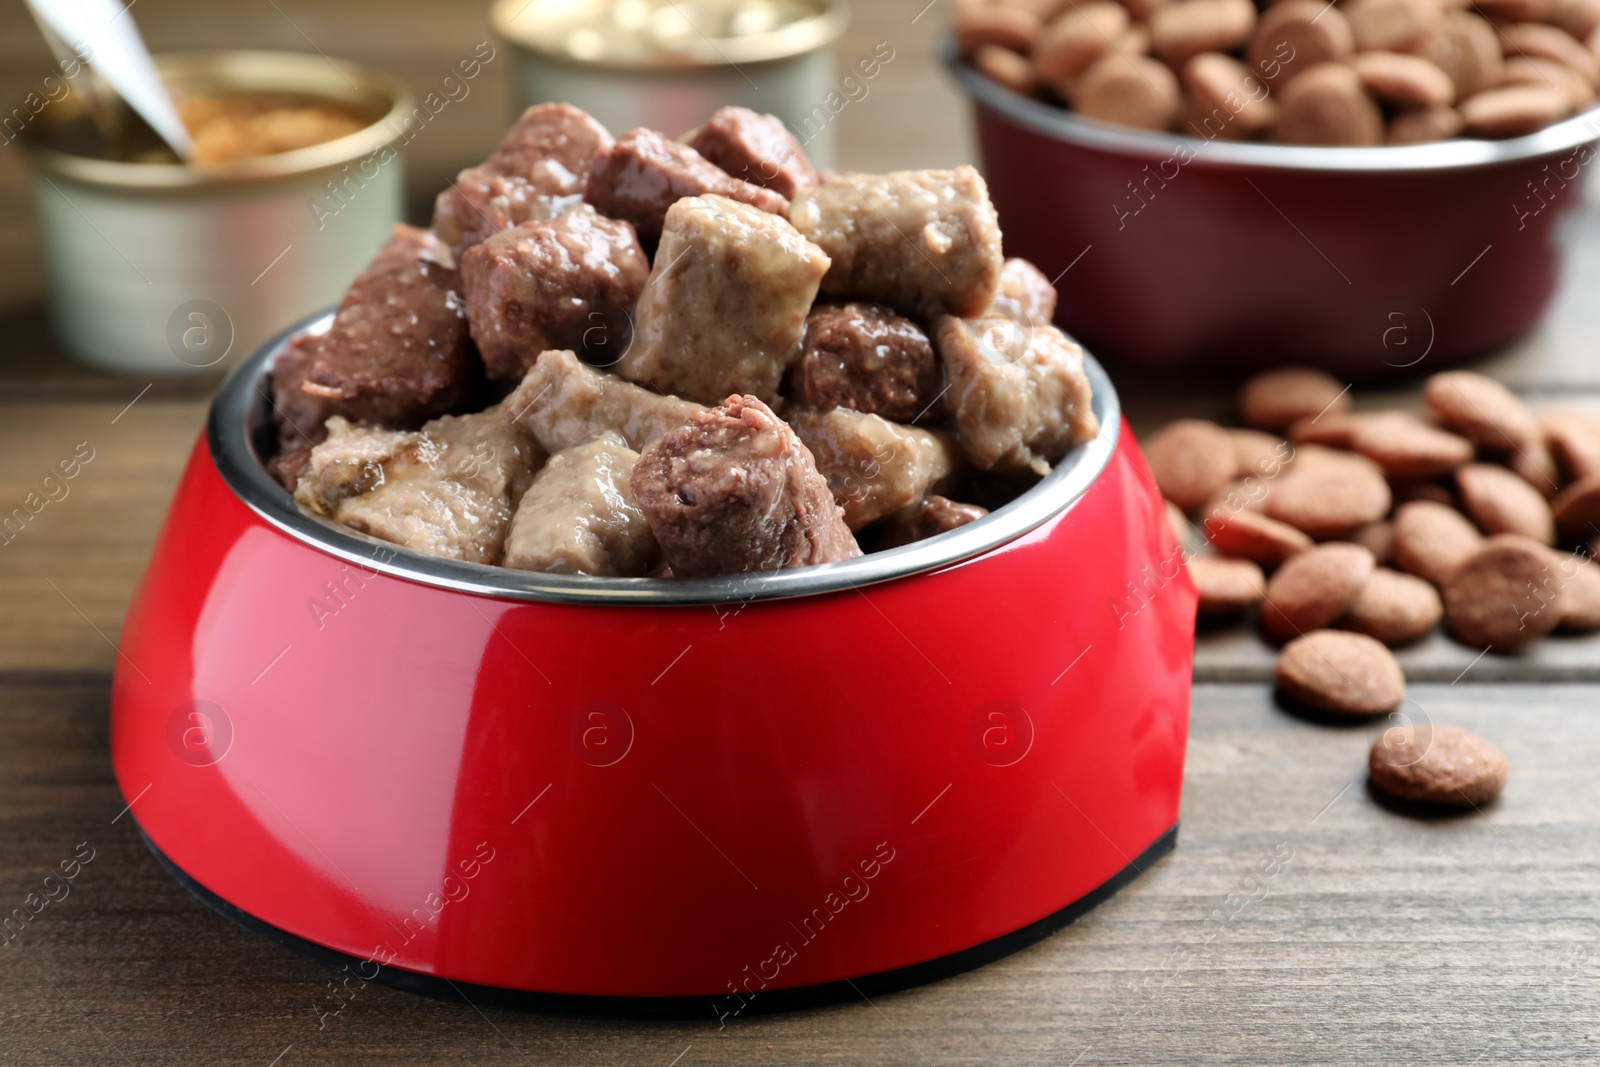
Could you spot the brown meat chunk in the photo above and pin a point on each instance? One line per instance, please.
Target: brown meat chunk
(1018, 407)
(446, 489)
(864, 356)
(568, 282)
(397, 352)
(287, 467)
(928, 517)
(579, 515)
(643, 174)
(563, 402)
(735, 491)
(298, 415)
(1026, 295)
(925, 242)
(725, 307)
(874, 467)
(755, 148)
(537, 172)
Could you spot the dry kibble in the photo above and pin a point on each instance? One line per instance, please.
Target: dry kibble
(1500, 502)
(1406, 447)
(1006, 25)
(1337, 671)
(1377, 538)
(1523, 70)
(1535, 464)
(1580, 18)
(1295, 36)
(1432, 540)
(1393, 607)
(1226, 95)
(1191, 459)
(1273, 399)
(1258, 453)
(1467, 48)
(1514, 110)
(1184, 29)
(1255, 537)
(1326, 105)
(1073, 41)
(1577, 508)
(1131, 90)
(1314, 588)
(1574, 438)
(1327, 494)
(1536, 40)
(1497, 599)
(1226, 586)
(1480, 409)
(1442, 765)
(1387, 25)
(1405, 81)
(1430, 124)
(1334, 430)
(1011, 69)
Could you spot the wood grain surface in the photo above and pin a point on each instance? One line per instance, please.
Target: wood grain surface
(1380, 937)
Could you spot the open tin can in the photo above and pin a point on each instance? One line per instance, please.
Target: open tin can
(164, 268)
(668, 65)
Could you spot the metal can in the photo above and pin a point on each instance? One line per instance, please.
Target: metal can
(162, 268)
(668, 64)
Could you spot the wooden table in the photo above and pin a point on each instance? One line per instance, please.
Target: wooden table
(1385, 938)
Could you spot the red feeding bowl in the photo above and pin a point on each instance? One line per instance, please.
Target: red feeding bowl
(1235, 256)
(701, 796)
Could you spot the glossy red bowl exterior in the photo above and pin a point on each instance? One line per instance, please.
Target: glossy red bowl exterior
(709, 796)
(1180, 251)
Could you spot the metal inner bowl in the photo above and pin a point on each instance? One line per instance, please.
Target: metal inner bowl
(239, 431)
(1063, 125)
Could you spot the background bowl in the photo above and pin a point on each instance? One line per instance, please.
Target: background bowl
(1174, 251)
(703, 796)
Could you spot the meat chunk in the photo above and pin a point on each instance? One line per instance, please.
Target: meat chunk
(287, 467)
(579, 515)
(735, 491)
(568, 282)
(725, 307)
(1025, 295)
(397, 352)
(873, 466)
(925, 242)
(864, 356)
(446, 489)
(298, 415)
(755, 148)
(644, 174)
(564, 402)
(537, 172)
(1020, 397)
(928, 517)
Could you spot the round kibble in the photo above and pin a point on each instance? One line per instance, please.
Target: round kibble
(1467, 48)
(1327, 494)
(1514, 110)
(1441, 765)
(1501, 502)
(1405, 81)
(1226, 586)
(1274, 399)
(1191, 459)
(1387, 25)
(1252, 536)
(1295, 36)
(1342, 672)
(1431, 540)
(1393, 607)
(1429, 124)
(1181, 30)
(1574, 438)
(1246, 494)
(1227, 95)
(1577, 508)
(1259, 453)
(1314, 588)
(1522, 70)
(1406, 447)
(1498, 598)
(1010, 69)
(1002, 24)
(1130, 90)
(1326, 105)
(1535, 40)
(1071, 43)
(1480, 409)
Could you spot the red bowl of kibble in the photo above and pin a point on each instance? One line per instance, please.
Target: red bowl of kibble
(1356, 186)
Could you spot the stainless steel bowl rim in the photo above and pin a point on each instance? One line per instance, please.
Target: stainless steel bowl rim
(329, 155)
(240, 406)
(1462, 153)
